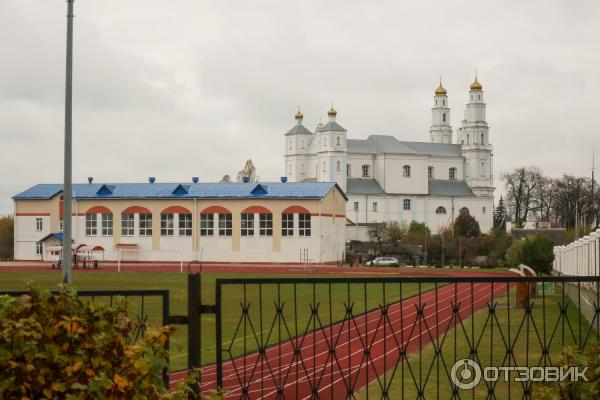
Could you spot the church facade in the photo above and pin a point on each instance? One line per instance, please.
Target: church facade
(387, 179)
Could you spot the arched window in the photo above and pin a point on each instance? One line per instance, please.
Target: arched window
(324, 141)
(430, 172)
(406, 171)
(452, 173)
(348, 170)
(478, 97)
(482, 139)
(207, 221)
(482, 168)
(443, 102)
(464, 210)
(444, 117)
(440, 210)
(468, 139)
(324, 166)
(338, 142)
(338, 166)
(365, 170)
(290, 145)
(91, 221)
(167, 221)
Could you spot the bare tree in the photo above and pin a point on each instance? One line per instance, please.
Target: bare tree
(249, 171)
(521, 185)
(225, 179)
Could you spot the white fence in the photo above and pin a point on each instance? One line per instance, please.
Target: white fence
(580, 258)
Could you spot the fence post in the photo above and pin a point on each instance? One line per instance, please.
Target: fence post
(194, 336)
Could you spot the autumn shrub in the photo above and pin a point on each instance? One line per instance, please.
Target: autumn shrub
(574, 390)
(54, 345)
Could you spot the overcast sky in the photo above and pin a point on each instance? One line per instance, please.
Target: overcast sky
(182, 88)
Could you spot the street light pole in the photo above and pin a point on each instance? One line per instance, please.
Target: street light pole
(67, 252)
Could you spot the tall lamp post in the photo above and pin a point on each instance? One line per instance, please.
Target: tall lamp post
(67, 252)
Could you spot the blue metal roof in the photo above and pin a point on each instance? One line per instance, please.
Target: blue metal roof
(267, 190)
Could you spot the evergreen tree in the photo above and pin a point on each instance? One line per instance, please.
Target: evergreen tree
(500, 216)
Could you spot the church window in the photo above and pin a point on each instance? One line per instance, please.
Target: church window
(356, 206)
(348, 170)
(482, 139)
(374, 206)
(290, 145)
(468, 139)
(290, 169)
(443, 102)
(324, 141)
(406, 171)
(444, 117)
(406, 204)
(436, 103)
(478, 97)
(440, 210)
(483, 210)
(324, 167)
(464, 210)
(365, 170)
(452, 173)
(430, 172)
(302, 144)
(462, 142)
(338, 143)
(338, 166)
(482, 169)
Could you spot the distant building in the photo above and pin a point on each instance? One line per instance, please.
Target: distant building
(391, 180)
(266, 222)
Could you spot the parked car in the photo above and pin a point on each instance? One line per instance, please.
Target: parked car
(383, 262)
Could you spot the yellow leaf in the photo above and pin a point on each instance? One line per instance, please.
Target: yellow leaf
(48, 392)
(122, 382)
(142, 366)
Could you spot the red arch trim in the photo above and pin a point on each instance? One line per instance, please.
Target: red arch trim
(215, 210)
(175, 210)
(136, 210)
(98, 210)
(296, 210)
(256, 210)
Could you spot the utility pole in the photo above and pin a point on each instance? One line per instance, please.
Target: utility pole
(67, 252)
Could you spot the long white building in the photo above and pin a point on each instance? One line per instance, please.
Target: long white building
(387, 179)
(266, 222)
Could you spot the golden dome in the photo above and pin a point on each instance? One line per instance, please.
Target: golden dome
(299, 115)
(332, 112)
(440, 91)
(476, 85)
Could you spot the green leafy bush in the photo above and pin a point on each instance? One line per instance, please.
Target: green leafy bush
(534, 251)
(53, 345)
(579, 390)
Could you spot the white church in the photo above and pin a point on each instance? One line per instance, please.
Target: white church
(387, 179)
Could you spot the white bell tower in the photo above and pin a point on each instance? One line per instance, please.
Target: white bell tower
(440, 131)
(331, 151)
(476, 148)
(297, 141)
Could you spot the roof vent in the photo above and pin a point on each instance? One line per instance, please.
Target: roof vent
(246, 179)
(181, 189)
(260, 190)
(151, 179)
(284, 179)
(90, 179)
(106, 190)
(195, 179)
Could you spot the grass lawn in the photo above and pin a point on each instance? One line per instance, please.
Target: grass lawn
(331, 299)
(430, 373)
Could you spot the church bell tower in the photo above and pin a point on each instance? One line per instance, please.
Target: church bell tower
(440, 131)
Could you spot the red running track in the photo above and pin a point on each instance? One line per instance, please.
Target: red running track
(316, 372)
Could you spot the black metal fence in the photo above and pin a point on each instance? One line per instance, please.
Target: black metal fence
(143, 306)
(391, 338)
